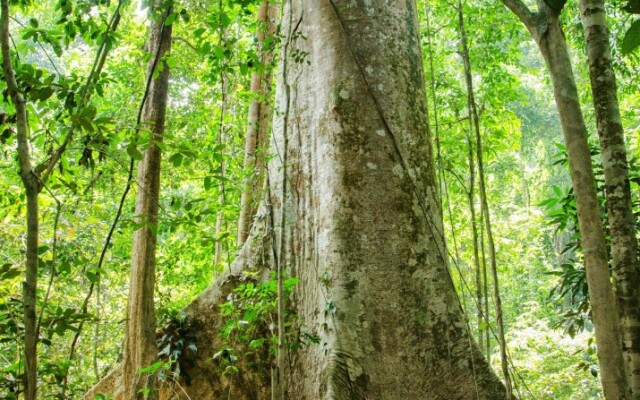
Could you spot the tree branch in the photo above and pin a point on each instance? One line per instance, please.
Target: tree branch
(49, 164)
(185, 41)
(523, 12)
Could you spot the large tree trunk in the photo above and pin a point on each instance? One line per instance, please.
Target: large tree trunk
(624, 250)
(363, 229)
(32, 188)
(546, 29)
(360, 223)
(140, 349)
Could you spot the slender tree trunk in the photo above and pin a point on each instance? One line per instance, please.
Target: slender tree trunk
(32, 188)
(624, 249)
(258, 121)
(546, 29)
(224, 89)
(220, 225)
(474, 117)
(140, 349)
(474, 237)
(485, 286)
(34, 180)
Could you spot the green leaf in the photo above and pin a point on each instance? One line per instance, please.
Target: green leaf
(151, 369)
(557, 191)
(225, 21)
(133, 152)
(176, 159)
(171, 18)
(184, 14)
(44, 93)
(165, 351)
(171, 62)
(8, 271)
(86, 124)
(631, 39)
(93, 277)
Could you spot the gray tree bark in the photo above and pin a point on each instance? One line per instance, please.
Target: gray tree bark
(364, 230)
(359, 222)
(624, 249)
(545, 27)
(140, 348)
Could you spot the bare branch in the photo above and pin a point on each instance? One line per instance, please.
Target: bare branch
(185, 41)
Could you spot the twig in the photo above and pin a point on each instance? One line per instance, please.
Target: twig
(53, 260)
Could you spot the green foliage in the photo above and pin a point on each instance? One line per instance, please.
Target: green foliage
(631, 39)
(571, 292)
(249, 332)
(553, 365)
(54, 49)
(177, 346)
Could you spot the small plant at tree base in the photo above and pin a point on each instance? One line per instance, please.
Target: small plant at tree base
(177, 348)
(249, 331)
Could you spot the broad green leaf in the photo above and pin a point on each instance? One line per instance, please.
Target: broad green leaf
(151, 369)
(171, 18)
(631, 39)
(133, 152)
(176, 159)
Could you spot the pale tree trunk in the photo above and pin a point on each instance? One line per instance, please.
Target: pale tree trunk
(140, 349)
(624, 250)
(546, 29)
(32, 188)
(361, 227)
(258, 121)
(364, 230)
(474, 119)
